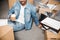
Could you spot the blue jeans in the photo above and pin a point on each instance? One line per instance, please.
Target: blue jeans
(16, 25)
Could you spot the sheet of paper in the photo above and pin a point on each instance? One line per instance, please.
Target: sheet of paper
(43, 5)
(3, 22)
(52, 23)
(51, 6)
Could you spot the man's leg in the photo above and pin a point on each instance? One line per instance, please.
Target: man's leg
(16, 26)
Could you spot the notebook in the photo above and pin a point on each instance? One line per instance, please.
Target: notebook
(51, 23)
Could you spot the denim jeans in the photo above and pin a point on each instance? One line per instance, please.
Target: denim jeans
(16, 25)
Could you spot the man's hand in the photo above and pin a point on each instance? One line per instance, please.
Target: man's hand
(40, 26)
(13, 17)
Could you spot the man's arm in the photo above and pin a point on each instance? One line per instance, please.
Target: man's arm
(34, 15)
(11, 11)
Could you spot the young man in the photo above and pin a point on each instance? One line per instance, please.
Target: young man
(23, 13)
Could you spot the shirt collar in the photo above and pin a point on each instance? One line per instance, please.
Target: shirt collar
(23, 6)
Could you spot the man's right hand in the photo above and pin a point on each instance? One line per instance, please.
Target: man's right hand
(12, 17)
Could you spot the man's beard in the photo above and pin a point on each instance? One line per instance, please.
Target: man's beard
(22, 2)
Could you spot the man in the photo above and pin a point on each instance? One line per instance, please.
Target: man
(24, 13)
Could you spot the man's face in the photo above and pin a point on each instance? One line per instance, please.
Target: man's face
(23, 2)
